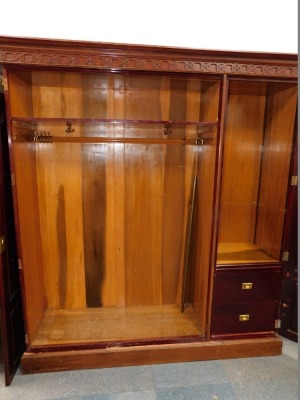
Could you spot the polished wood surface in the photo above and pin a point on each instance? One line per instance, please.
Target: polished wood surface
(241, 168)
(248, 284)
(258, 142)
(116, 57)
(30, 236)
(102, 212)
(107, 324)
(113, 216)
(226, 319)
(280, 120)
(238, 253)
(203, 230)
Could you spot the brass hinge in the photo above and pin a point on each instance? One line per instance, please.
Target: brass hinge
(2, 244)
(13, 179)
(277, 323)
(20, 263)
(285, 256)
(5, 84)
(26, 339)
(294, 180)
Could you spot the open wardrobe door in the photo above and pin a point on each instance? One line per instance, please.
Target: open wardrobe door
(11, 316)
(288, 313)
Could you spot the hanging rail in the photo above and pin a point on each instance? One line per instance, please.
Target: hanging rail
(45, 137)
(117, 121)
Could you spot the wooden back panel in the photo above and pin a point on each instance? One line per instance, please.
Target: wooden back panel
(241, 167)
(281, 109)
(113, 216)
(20, 94)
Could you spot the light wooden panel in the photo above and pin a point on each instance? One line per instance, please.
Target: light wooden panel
(143, 216)
(93, 160)
(60, 193)
(20, 95)
(113, 287)
(174, 204)
(30, 238)
(241, 168)
(113, 217)
(280, 121)
(144, 166)
(232, 253)
(210, 100)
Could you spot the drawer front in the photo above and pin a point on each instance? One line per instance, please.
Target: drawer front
(243, 318)
(250, 285)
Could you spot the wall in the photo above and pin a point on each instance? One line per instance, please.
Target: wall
(257, 25)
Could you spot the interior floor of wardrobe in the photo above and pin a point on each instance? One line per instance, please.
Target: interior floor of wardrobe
(96, 325)
(232, 253)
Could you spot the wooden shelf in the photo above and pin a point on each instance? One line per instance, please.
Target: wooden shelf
(63, 327)
(242, 253)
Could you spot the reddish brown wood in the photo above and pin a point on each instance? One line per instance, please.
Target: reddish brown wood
(61, 53)
(11, 314)
(113, 357)
(288, 312)
(225, 318)
(228, 301)
(265, 285)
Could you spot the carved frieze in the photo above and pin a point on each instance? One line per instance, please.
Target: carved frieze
(42, 57)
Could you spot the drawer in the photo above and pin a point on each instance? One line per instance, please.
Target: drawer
(243, 318)
(247, 285)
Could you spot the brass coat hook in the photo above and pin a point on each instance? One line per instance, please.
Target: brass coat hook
(69, 127)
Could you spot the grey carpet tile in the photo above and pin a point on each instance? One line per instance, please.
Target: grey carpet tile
(142, 395)
(269, 389)
(261, 378)
(80, 383)
(290, 348)
(188, 374)
(87, 397)
(223, 391)
(2, 383)
(260, 368)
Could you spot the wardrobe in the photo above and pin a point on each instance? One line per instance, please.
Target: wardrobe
(149, 189)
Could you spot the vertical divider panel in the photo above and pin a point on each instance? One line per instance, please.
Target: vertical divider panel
(174, 200)
(193, 107)
(206, 158)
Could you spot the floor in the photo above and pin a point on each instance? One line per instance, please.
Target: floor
(263, 378)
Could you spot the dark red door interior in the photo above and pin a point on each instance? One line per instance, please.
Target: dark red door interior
(11, 316)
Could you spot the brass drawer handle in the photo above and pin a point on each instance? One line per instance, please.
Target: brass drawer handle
(244, 317)
(246, 285)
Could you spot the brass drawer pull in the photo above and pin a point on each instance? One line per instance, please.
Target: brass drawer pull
(246, 285)
(244, 317)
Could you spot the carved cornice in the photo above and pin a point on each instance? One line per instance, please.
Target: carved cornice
(128, 59)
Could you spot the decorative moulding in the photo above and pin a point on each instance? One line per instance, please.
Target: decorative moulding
(73, 54)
